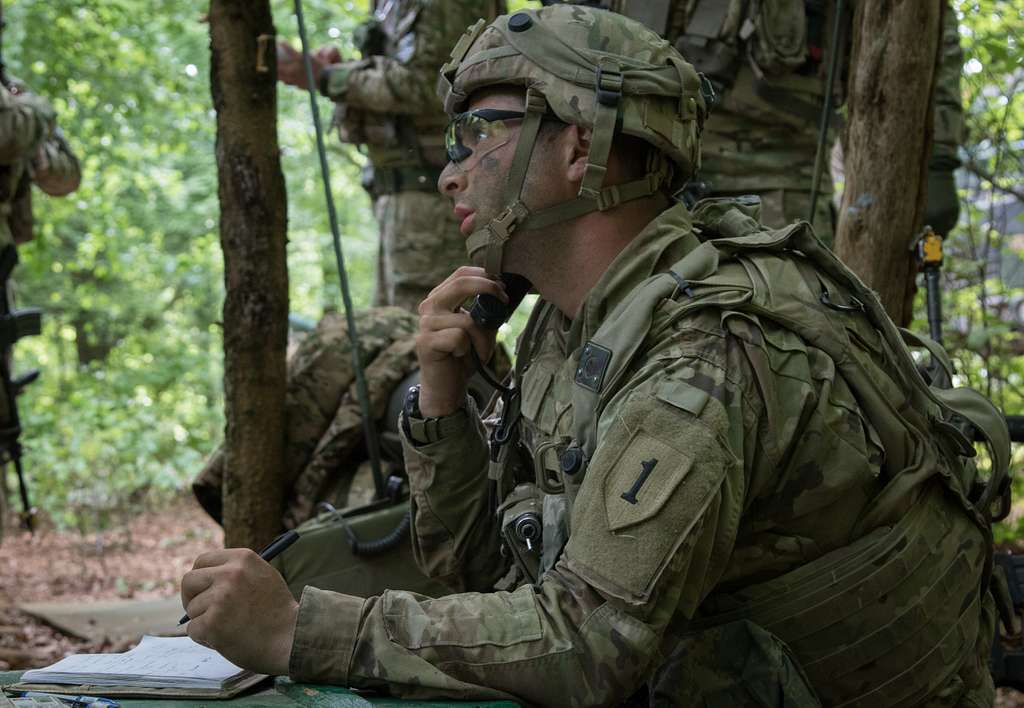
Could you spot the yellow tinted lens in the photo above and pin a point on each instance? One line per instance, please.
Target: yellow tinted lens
(471, 137)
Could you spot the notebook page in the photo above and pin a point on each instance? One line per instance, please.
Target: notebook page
(160, 657)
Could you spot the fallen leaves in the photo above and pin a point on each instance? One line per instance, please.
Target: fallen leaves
(142, 559)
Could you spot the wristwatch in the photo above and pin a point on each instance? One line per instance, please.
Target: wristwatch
(423, 431)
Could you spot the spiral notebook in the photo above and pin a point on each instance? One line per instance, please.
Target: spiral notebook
(169, 666)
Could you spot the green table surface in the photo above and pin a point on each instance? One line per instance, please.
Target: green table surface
(284, 693)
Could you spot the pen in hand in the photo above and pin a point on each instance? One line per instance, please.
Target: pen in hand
(269, 553)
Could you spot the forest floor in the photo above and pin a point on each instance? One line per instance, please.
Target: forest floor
(142, 559)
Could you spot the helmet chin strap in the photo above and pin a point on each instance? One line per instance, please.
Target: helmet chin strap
(486, 246)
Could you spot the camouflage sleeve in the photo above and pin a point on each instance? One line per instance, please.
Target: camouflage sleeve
(25, 122)
(55, 168)
(949, 110)
(406, 84)
(942, 207)
(645, 548)
(455, 539)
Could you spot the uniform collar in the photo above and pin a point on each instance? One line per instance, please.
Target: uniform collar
(665, 240)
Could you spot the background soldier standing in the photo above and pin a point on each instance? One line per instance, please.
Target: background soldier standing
(386, 102)
(768, 63)
(32, 150)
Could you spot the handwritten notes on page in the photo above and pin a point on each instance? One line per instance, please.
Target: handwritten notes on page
(157, 662)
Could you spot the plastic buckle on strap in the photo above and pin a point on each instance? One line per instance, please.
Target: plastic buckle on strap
(505, 223)
(608, 86)
(608, 197)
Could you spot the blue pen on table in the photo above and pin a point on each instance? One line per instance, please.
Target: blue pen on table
(269, 553)
(73, 701)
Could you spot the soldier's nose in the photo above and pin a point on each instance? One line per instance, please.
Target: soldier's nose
(452, 180)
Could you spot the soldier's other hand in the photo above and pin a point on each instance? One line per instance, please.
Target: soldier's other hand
(240, 606)
(327, 55)
(292, 71)
(446, 335)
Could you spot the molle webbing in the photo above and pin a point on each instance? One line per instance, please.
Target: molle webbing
(908, 595)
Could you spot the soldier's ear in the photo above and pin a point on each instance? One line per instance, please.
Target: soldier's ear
(577, 149)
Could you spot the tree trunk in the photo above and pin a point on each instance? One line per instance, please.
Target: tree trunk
(253, 225)
(887, 143)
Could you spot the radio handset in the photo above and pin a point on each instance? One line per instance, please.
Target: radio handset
(489, 312)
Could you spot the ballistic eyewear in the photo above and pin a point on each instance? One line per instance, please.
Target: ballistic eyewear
(473, 134)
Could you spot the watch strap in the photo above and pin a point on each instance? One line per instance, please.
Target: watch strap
(423, 431)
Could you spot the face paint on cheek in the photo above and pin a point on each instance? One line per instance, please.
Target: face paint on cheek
(488, 164)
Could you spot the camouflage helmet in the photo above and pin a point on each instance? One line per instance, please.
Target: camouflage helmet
(592, 68)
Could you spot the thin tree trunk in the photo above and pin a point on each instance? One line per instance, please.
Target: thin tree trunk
(887, 143)
(253, 224)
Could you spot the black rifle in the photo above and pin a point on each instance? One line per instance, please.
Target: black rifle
(14, 324)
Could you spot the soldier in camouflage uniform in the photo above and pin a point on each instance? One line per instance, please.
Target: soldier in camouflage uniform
(386, 102)
(768, 62)
(718, 471)
(324, 430)
(32, 151)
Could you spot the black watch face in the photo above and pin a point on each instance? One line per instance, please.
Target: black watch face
(412, 402)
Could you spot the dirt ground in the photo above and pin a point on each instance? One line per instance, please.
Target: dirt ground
(143, 559)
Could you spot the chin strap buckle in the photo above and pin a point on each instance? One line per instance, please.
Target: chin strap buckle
(608, 198)
(499, 231)
(505, 223)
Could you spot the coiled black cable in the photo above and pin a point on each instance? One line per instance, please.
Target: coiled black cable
(385, 543)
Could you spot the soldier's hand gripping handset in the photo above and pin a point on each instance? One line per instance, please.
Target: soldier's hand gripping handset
(490, 312)
(446, 334)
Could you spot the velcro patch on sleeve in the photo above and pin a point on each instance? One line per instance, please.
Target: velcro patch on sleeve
(646, 491)
(642, 479)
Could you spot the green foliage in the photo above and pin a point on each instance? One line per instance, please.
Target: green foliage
(983, 290)
(129, 268)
